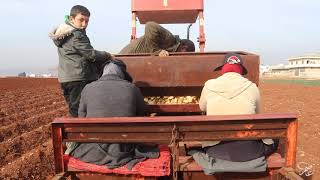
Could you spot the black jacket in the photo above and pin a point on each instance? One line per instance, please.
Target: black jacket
(241, 151)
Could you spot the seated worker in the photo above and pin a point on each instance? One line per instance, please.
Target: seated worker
(159, 41)
(113, 95)
(231, 94)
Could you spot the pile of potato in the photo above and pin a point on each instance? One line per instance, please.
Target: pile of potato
(172, 99)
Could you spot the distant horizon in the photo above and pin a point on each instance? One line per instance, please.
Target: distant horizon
(274, 30)
(37, 70)
(54, 70)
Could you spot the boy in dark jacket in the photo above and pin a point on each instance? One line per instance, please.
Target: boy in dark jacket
(78, 60)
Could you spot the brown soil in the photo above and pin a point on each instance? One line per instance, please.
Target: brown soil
(28, 105)
(304, 101)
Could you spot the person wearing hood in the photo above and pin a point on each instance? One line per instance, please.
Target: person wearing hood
(78, 60)
(113, 95)
(232, 94)
(158, 41)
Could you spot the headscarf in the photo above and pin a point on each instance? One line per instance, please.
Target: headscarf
(237, 68)
(113, 69)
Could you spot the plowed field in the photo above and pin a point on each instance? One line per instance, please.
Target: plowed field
(28, 105)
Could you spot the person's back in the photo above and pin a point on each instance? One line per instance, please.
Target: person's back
(111, 96)
(232, 94)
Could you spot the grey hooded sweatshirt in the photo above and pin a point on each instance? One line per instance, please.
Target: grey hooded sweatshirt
(112, 96)
(77, 58)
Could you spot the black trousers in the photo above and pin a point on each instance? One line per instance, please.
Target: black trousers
(240, 151)
(72, 94)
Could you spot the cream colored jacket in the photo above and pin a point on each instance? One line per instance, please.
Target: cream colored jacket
(230, 94)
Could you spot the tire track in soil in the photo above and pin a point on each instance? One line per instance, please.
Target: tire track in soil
(30, 111)
(18, 94)
(35, 164)
(21, 104)
(23, 84)
(15, 129)
(27, 101)
(32, 152)
(16, 147)
(8, 96)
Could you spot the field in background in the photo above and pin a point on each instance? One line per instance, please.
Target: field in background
(28, 105)
(292, 81)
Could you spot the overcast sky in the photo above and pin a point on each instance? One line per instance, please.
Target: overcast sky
(274, 29)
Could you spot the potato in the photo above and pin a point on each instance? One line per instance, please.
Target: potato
(172, 99)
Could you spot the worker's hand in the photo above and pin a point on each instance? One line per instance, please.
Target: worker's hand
(112, 57)
(163, 53)
(153, 114)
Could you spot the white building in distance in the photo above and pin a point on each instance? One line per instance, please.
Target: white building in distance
(307, 67)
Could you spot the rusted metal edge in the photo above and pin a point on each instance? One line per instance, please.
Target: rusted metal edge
(270, 117)
(190, 53)
(174, 108)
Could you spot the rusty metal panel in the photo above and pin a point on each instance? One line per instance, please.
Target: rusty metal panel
(167, 127)
(255, 118)
(57, 148)
(167, 11)
(181, 73)
(209, 127)
(172, 129)
(162, 5)
(231, 135)
(93, 128)
(292, 135)
(119, 137)
(183, 127)
(156, 137)
(168, 17)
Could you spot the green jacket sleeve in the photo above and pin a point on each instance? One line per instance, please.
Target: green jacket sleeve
(83, 46)
(159, 38)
